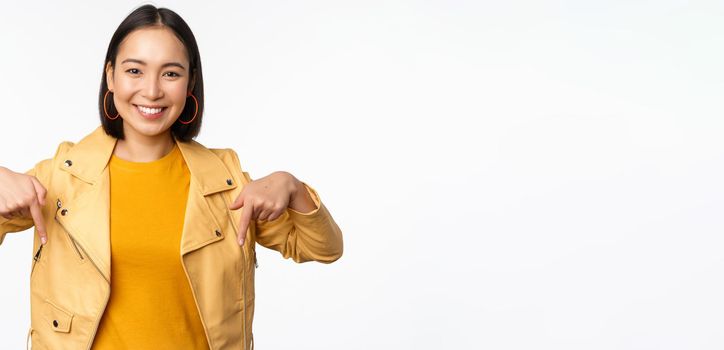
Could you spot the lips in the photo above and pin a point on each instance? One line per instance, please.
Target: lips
(151, 112)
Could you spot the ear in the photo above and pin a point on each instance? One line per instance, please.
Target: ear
(109, 76)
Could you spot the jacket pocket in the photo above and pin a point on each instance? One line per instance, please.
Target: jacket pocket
(75, 247)
(56, 317)
(71, 240)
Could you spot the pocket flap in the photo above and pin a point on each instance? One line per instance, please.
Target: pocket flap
(58, 318)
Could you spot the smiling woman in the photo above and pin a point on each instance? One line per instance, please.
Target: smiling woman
(153, 236)
(152, 69)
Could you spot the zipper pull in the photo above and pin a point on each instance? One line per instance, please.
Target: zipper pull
(37, 255)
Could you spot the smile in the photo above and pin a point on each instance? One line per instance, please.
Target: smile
(150, 112)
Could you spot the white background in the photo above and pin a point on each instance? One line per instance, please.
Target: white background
(507, 174)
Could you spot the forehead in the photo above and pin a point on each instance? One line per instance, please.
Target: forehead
(153, 45)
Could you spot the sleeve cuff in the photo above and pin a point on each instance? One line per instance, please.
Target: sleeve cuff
(315, 197)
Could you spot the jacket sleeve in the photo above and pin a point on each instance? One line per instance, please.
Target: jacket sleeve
(41, 171)
(312, 236)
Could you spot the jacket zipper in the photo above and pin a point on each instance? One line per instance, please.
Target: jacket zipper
(37, 255)
(108, 295)
(198, 309)
(73, 242)
(75, 245)
(98, 320)
(243, 293)
(36, 258)
(243, 276)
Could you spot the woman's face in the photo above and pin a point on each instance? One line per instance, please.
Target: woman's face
(149, 81)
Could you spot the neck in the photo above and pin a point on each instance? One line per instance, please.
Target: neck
(137, 147)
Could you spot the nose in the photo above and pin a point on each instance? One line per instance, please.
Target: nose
(152, 89)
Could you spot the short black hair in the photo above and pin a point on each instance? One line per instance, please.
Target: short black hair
(150, 16)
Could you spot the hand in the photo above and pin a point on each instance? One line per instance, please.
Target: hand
(264, 199)
(22, 195)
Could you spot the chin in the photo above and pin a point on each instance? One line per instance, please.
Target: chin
(146, 129)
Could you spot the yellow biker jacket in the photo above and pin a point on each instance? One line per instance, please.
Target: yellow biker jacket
(69, 279)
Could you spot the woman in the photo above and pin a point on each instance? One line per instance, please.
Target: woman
(152, 241)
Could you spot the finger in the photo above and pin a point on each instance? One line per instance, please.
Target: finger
(39, 190)
(275, 215)
(8, 216)
(264, 214)
(37, 215)
(246, 213)
(258, 208)
(24, 212)
(238, 202)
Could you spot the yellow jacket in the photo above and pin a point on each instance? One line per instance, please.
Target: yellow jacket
(69, 278)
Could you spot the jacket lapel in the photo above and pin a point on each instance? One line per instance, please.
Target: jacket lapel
(209, 175)
(87, 212)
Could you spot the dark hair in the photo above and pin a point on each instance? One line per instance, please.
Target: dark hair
(150, 16)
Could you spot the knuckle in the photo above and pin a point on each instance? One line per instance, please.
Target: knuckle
(28, 198)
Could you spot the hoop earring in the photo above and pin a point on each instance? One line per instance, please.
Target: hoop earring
(195, 112)
(104, 107)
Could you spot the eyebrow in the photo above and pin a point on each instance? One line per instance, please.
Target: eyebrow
(167, 64)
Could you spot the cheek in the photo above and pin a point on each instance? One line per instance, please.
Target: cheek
(123, 90)
(177, 93)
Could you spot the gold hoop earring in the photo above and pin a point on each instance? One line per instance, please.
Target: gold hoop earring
(196, 111)
(105, 110)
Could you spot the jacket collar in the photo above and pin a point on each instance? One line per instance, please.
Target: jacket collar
(88, 158)
(86, 215)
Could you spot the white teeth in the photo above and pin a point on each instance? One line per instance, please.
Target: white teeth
(150, 110)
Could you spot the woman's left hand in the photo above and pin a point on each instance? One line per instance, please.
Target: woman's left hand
(264, 199)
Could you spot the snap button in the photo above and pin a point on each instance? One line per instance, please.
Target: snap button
(59, 318)
(228, 181)
(62, 212)
(59, 203)
(218, 233)
(68, 162)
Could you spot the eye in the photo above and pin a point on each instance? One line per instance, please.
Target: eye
(173, 74)
(133, 71)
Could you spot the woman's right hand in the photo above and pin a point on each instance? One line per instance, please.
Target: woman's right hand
(22, 195)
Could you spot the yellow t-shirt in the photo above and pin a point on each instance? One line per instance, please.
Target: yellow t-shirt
(151, 304)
